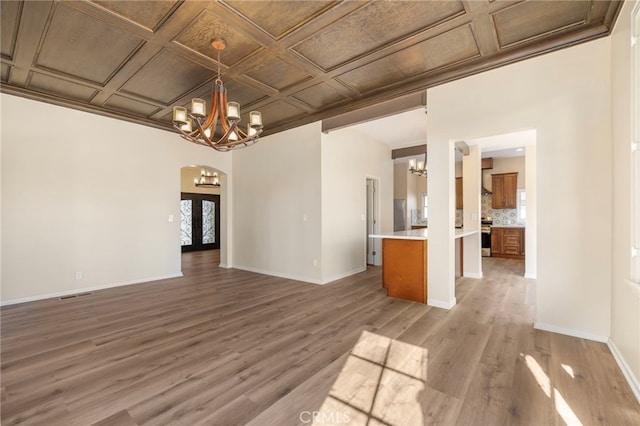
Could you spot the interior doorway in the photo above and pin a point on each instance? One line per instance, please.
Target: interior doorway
(373, 249)
(199, 221)
(200, 208)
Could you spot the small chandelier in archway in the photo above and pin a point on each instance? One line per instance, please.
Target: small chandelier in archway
(207, 179)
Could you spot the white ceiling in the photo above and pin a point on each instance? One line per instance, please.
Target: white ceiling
(413, 131)
(399, 130)
(505, 145)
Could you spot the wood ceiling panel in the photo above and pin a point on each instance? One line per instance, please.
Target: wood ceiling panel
(319, 95)
(278, 111)
(131, 105)
(84, 47)
(149, 14)
(444, 50)
(243, 94)
(530, 20)
(197, 37)
(5, 70)
(598, 12)
(277, 73)
(52, 85)
(296, 61)
(167, 77)
(375, 25)
(9, 19)
(279, 17)
(237, 92)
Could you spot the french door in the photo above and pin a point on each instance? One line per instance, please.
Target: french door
(199, 221)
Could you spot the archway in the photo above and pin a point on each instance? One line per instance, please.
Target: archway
(203, 210)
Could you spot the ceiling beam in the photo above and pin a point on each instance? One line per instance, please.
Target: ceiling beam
(408, 152)
(462, 147)
(373, 112)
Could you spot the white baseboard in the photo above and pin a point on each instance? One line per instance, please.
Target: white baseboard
(224, 265)
(344, 275)
(476, 275)
(441, 304)
(634, 384)
(84, 290)
(531, 276)
(570, 332)
(279, 274)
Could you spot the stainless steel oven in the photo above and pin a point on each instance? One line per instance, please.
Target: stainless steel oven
(485, 230)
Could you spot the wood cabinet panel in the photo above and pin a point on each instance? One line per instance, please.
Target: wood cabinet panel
(507, 242)
(459, 193)
(404, 269)
(505, 188)
(487, 163)
(496, 241)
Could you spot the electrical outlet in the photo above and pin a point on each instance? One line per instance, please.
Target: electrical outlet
(170, 218)
(315, 263)
(78, 275)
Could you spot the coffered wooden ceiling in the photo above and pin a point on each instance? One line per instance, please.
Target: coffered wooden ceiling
(296, 61)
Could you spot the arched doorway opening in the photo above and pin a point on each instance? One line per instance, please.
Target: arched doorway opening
(200, 209)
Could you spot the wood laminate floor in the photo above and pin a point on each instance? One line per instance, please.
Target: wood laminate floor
(228, 347)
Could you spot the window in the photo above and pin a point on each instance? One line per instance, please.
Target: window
(425, 206)
(522, 206)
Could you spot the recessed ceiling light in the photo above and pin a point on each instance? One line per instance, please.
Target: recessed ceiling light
(519, 149)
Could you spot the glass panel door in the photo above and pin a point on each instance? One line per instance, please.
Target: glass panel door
(208, 222)
(199, 221)
(186, 228)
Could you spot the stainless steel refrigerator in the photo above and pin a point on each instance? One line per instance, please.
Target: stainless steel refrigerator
(399, 214)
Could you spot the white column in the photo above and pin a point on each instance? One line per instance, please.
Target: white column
(471, 179)
(530, 240)
(441, 249)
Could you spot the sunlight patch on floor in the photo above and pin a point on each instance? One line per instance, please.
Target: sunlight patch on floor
(568, 369)
(380, 384)
(561, 405)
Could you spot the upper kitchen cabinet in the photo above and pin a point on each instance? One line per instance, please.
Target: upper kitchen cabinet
(458, 193)
(504, 188)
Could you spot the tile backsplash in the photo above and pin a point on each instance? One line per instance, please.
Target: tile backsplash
(417, 219)
(459, 217)
(500, 216)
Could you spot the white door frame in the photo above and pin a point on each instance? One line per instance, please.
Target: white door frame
(373, 249)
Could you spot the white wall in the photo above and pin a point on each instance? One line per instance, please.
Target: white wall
(400, 172)
(277, 205)
(471, 172)
(566, 96)
(625, 296)
(348, 159)
(86, 193)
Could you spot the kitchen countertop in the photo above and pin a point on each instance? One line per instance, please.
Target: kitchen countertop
(508, 226)
(421, 234)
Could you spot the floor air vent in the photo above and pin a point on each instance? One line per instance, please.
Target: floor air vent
(73, 296)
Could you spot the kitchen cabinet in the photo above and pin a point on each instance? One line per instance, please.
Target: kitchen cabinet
(458, 193)
(504, 187)
(507, 242)
(404, 268)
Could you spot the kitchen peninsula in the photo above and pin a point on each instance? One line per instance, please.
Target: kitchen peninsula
(404, 262)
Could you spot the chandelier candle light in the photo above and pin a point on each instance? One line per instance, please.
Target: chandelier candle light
(420, 169)
(199, 128)
(207, 179)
